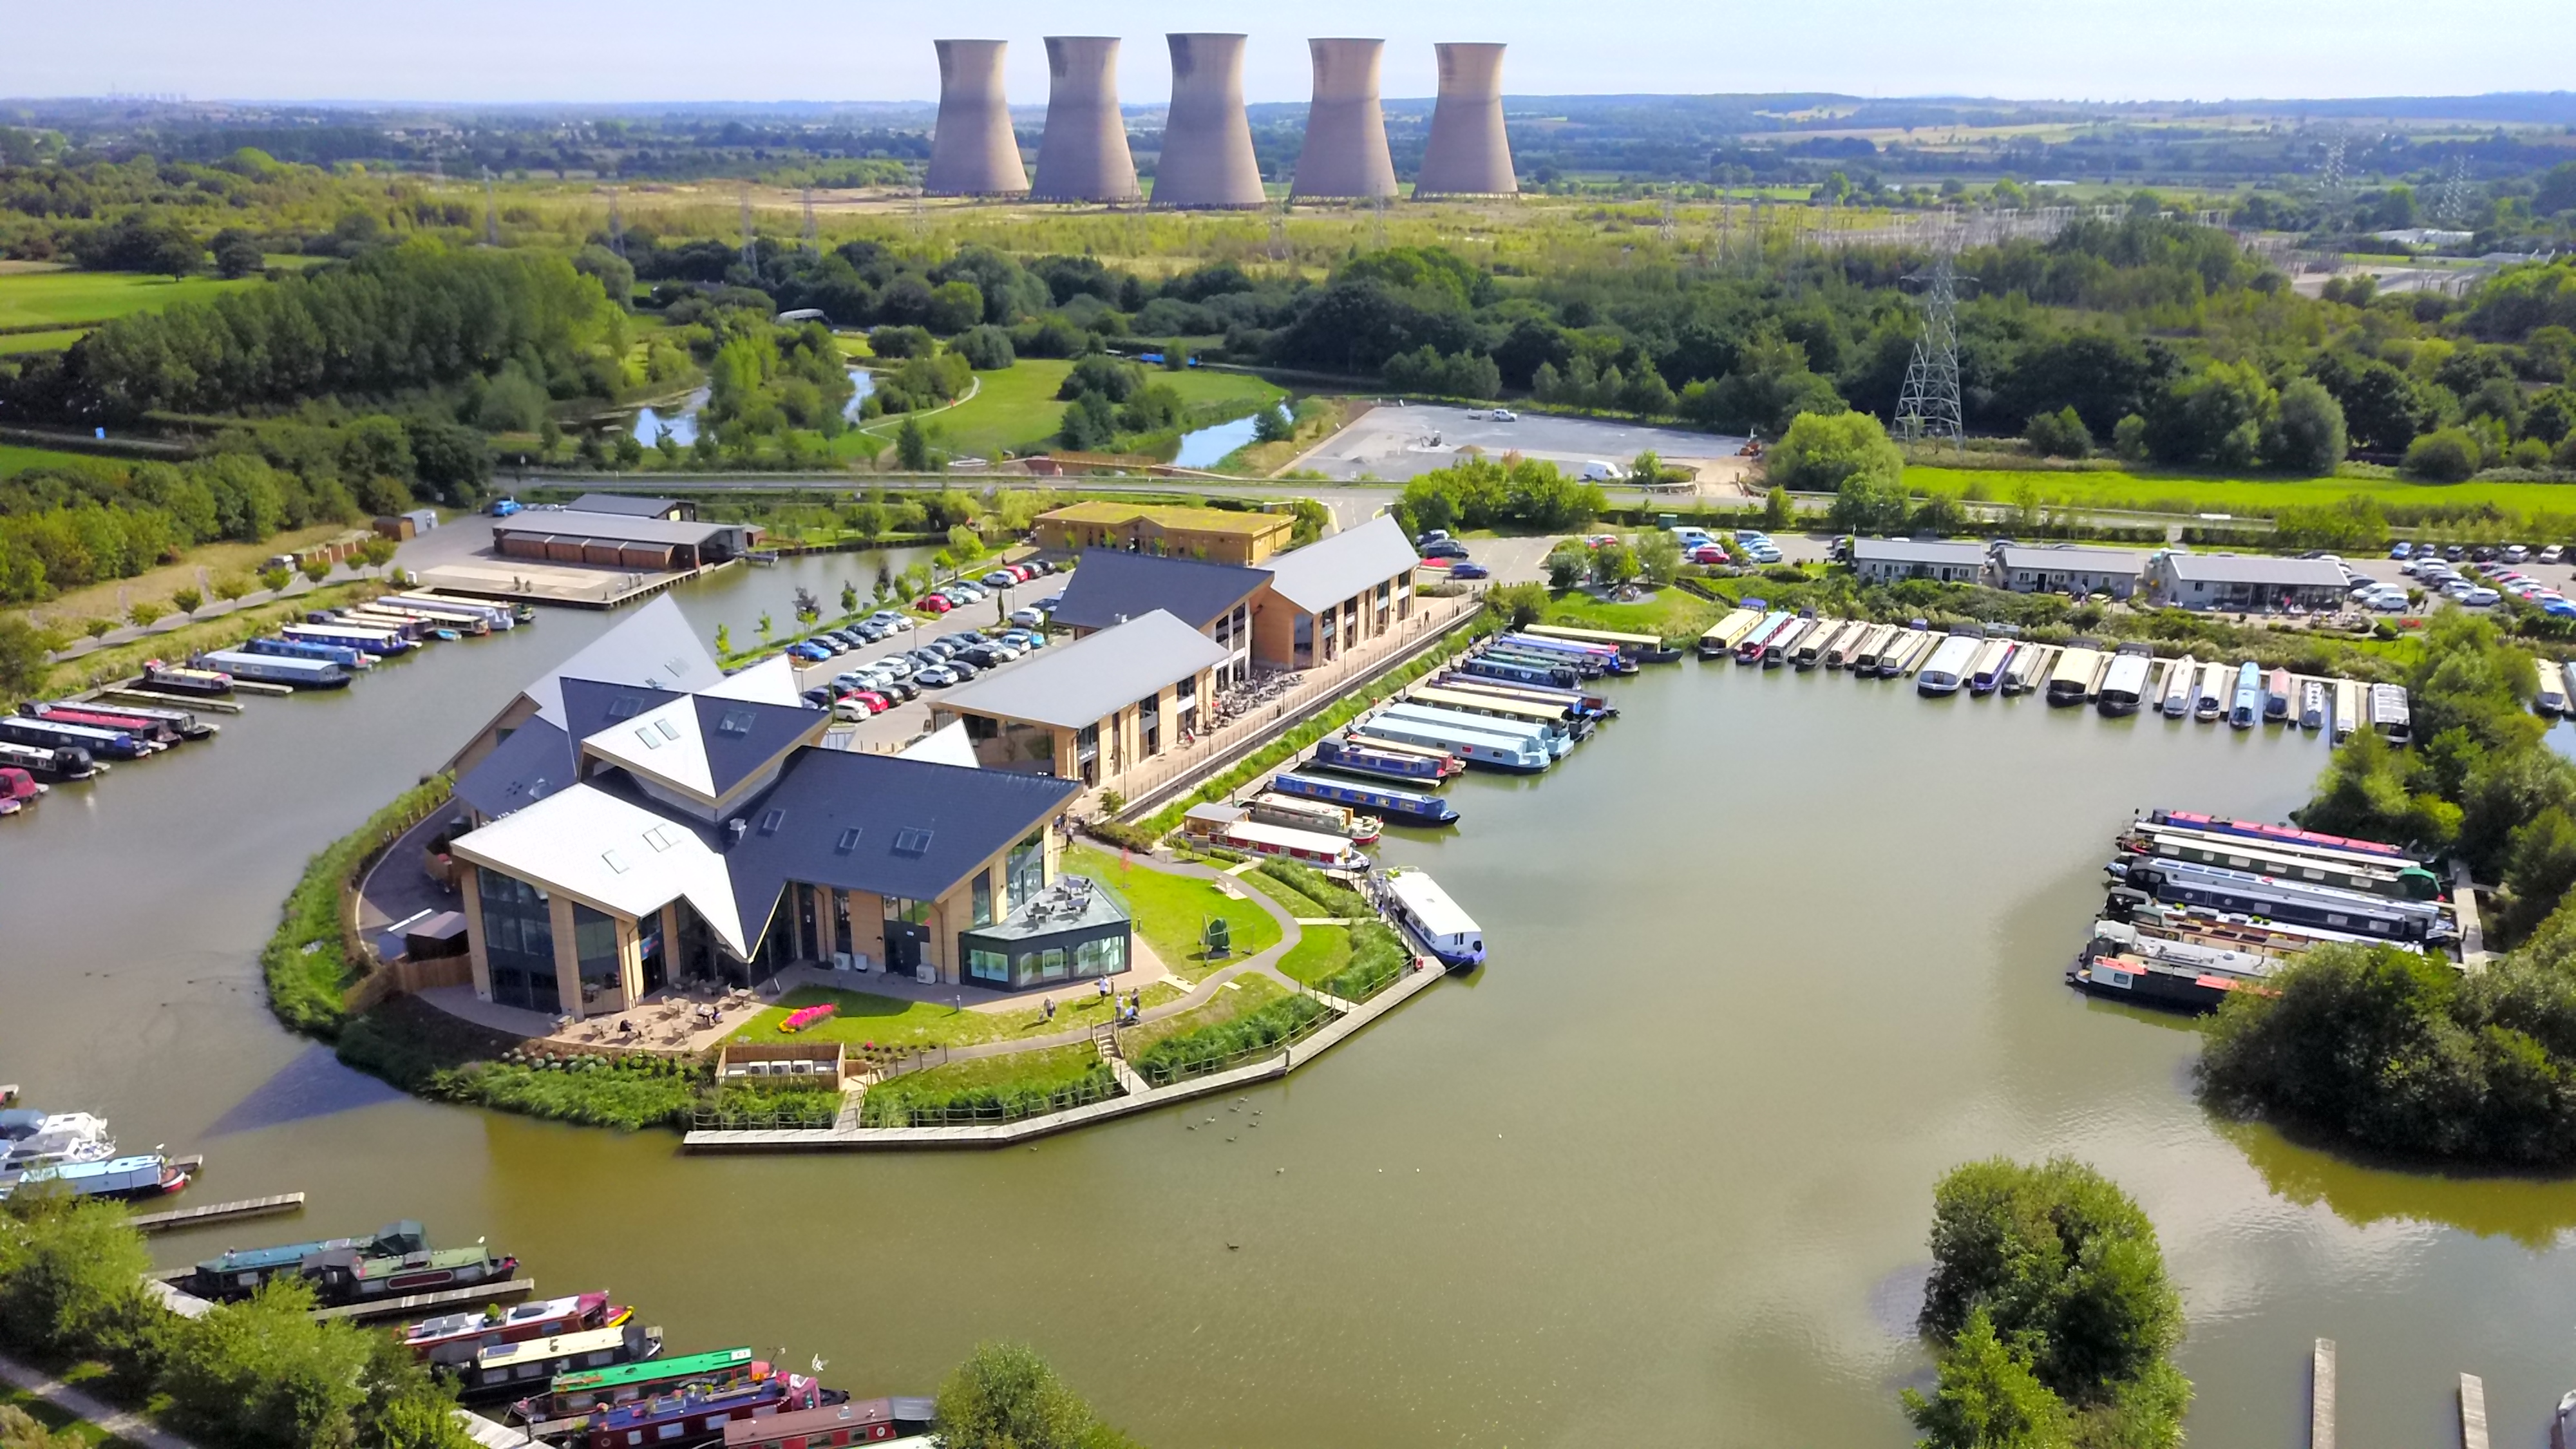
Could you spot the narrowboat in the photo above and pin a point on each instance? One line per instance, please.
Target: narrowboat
(2568, 670)
(2389, 713)
(2283, 834)
(2347, 709)
(2247, 709)
(2028, 668)
(185, 721)
(496, 1372)
(267, 669)
(1608, 657)
(581, 1392)
(2180, 681)
(1862, 658)
(2312, 704)
(494, 616)
(1952, 661)
(1494, 752)
(394, 1263)
(2301, 904)
(340, 654)
(447, 626)
(1577, 703)
(401, 626)
(2369, 874)
(692, 1416)
(1402, 806)
(2276, 697)
(1847, 649)
(379, 642)
(1551, 742)
(2124, 683)
(1776, 650)
(1726, 633)
(1584, 665)
(1750, 651)
(1913, 647)
(2072, 681)
(1811, 647)
(1342, 753)
(1447, 931)
(1559, 721)
(1489, 666)
(1642, 648)
(1986, 672)
(1306, 847)
(157, 731)
(858, 1421)
(45, 734)
(180, 679)
(31, 1139)
(149, 1174)
(2551, 697)
(454, 1339)
(2122, 965)
(240, 1271)
(62, 763)
(1321, 816)
(2209, 698)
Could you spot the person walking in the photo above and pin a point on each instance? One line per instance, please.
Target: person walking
(1046, 1007)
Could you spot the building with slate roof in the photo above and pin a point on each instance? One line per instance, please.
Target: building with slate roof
(1092, 710)
(632, 835)
(1109, 587)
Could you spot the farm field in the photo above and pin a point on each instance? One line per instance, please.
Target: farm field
(14, 458)
(53, 341)
(63, 299)
(2248, 496)
(1016, 408)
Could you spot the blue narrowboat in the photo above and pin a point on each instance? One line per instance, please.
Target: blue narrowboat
(1359, 759)
(340, 654)
(1516, 671)
(44, 734)
(270, 669)
(1608, 658)
(1400, 805)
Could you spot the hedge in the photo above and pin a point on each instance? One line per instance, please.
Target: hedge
(306, 962)
(1203, 1048)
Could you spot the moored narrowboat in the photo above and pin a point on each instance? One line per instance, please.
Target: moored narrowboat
(1423, 767)
(181, 679)
(505, 1368)
(1445, 929)
(580, 1392)
(455, 1338)
(1403, 806)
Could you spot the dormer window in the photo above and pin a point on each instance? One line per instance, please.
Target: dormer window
(849, 840)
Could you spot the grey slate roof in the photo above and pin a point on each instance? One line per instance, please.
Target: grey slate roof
(534, 762)
(2255, 569)
(1088, 680)
(1928, 552)
(2072, 560)
(1112, 584)
(624, 505)
(1329, 570)
(920, 827)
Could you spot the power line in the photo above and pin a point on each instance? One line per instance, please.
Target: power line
(1929, 406)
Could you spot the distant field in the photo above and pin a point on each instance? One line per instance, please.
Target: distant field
(1017, 408)
(40, 341)
(13, 458)
(2253, 496)
(63, 299)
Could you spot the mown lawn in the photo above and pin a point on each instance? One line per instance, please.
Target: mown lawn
(889, 1021)
(1297, 902)
(1671, 614)
(1240, 996)
(13, 458)
(1022, 1079)
(1016, 408)
(18, 342)
(1320, 952)
(2244, 496)
(68, 298)
(1172, 911)
(58, 1421)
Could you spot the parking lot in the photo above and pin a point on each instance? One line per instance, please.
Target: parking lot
(908, 719)
(1399, 442)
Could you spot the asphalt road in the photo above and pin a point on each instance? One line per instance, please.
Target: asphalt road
(1402, 442)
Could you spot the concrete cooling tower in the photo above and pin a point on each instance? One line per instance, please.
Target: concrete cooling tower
(1345, 153)
(1083, 155)
(973, 153)
(1468, 154)
(1207, 156)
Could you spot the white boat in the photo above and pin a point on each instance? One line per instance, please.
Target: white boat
(1950, 665)
(2312, 704)
(31, 1139)
(2179, 682)
(2124, 683)
(2347, 709)
(2076, 673)
(1422, 905)
(2209, 699)
(2390, 715)
(2552, 697)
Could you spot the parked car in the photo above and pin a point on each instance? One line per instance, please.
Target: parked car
(1709, 553)
(937, 603)
(1029, 618)
(962, 668)
(1430, 536)
(818, 696)
(1470, 569)
(1001, 578)
(903, 689)
(810, 652)
(1024, 640)
(2401, 550)
(1762, 553)
(938, 678)
(2480, 598)
(1506, 415)
(854, 708)
(1444, 548)
(891, 619)
(2552, 554)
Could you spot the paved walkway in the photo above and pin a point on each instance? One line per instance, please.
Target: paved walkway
(131, 1427)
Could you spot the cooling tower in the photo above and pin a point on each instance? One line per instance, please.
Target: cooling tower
(1207, 144)
(1345, 153)
(1083, 155)
(973, 153)
(1468, 155)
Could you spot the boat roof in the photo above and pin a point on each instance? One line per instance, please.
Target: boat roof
(1429, 905)
(653, 1370)
(1373, 792)
(1288, 837)
(853, 1414)
(553, 1346)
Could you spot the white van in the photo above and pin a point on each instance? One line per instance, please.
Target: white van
(1600, 472)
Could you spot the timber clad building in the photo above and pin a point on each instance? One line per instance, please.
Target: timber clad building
(620, 540)
(1216, 535)
(631, 836)
(1094, 709)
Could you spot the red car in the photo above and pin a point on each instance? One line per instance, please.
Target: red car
(1437, 563)
(936, 603)
(1709, 553)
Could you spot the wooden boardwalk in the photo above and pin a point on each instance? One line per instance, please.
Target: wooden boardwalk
(219, 1212)
(423, 1304)
(2473, 1412)
(2321, 1397)
(1004, 1134)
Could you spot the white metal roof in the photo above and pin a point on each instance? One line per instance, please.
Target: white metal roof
(662, 743)
(1329, 570)
(656, 648)
(1918, 551)
(945, 746)
(2073, 560)
(620, 855)
(2262, 569)
(1429, 905)
(771, 681)
(1092, 678)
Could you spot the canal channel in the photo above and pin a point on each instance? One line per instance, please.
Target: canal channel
(1771, 953)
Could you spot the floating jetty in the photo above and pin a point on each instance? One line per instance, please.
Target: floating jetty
(422, 1304)
(219, 1212)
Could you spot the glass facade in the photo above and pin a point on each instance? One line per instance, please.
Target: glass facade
(594, 941)
(518, 942)
(1027, 867)
(983, 898)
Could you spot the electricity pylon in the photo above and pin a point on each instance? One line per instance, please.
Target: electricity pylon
(1929, 406)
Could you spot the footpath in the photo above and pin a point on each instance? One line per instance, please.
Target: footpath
(131, 1427)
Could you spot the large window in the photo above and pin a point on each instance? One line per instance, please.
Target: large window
(1149, 726)
(518, 942)
(983, 897)
(594, 941)
(1027, 867)
(993, 966)
(1106, 956)
(912, 912)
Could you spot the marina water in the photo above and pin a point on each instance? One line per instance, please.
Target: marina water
(1770, 954)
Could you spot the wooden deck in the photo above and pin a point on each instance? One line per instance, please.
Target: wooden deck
(219, 1212)
(422, 1304)
(1005, 1134)
(2321, 1397)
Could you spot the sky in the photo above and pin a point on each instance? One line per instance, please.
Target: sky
(872, 50)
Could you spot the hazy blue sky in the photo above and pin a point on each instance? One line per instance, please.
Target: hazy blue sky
(533, 50)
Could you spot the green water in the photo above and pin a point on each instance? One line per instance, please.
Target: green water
(1768, 955)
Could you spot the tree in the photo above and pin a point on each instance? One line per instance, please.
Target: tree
(2220, 414)
(376, 552)
(849, 599)
(1646, 469)
(1777, 510)
(986, 348)
(1273, 425)
(237, 254)
(263, 1372)
(965, 545)
(187, 601)
(144, 612)
(1988, 1398)
(912, 446)
(2312, 438)
(22, 656)
(317, 568)
(1615, 563)
(807, 607)
(71, 1277)
(2060, 434)
(1821, 452)
(724, 641)
(1006, 1397)
(231, 586)
(1521, 604)
(2450, 455)
(274, 578)
(1659, 555)
(1567, 563)
(19, 1430)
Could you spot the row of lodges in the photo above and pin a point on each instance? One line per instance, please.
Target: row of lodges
(580, 1371)
(2172, 577)
(78, 738)
(2201, 906)
(2117, 681)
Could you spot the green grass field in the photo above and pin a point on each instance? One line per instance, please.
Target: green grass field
(14, 458)
(1172, 910)
(886, 1021)
(1016, 408)
(2244, 496)
(1670, 614)
(55, 341)
(67, 298)
(1320, 952)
